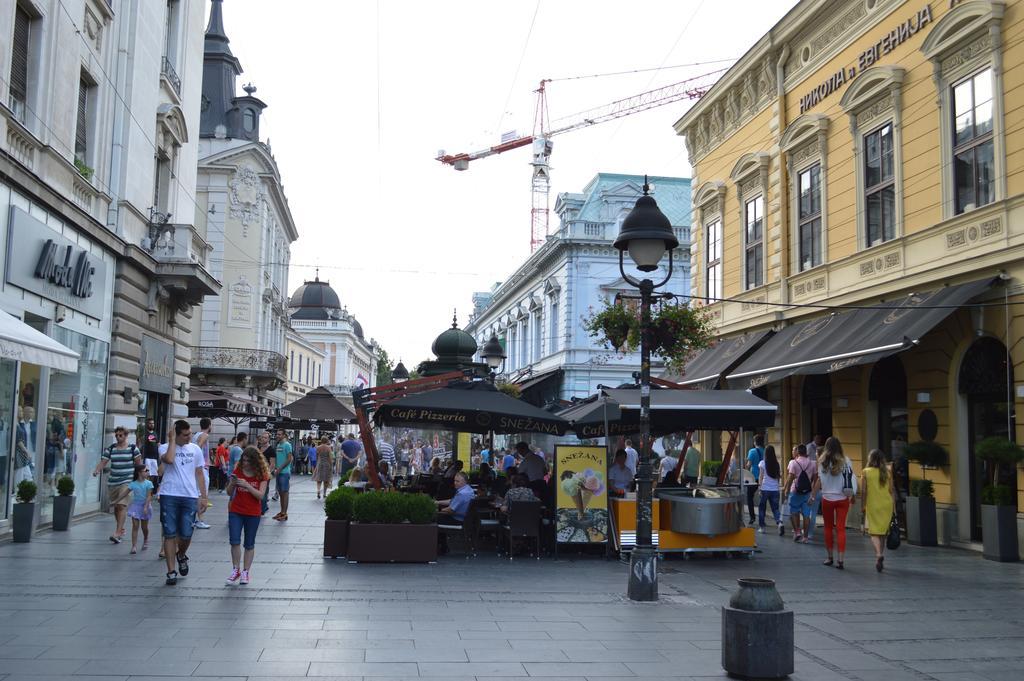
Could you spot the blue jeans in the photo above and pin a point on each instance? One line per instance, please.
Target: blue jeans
(236, 523)
(177, 515)
(769, 498)
(811, 513)
(283, 482)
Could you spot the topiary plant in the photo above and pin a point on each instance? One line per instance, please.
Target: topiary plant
(922, 488)
(711, 468)
(997, 452)
(65, 486)
(338, 504)
(368, 507)
(928, 454)
(420, 509)
(997, 495)
(392, 507)
(26, 491)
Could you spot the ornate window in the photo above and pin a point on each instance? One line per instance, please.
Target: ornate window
(805, 142)
(751, 177)
(713, 260)
(22, 77)
(965, 48)
(874, 105)
(710, 202)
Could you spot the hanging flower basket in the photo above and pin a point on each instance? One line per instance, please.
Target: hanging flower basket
(677, 331)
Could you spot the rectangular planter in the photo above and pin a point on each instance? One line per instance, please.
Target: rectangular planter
(335, 538)
(921, 523)
(381, 543)
(63, 509)
(22, 522)
(999, 533)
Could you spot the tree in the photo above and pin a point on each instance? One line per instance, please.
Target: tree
(384, 366)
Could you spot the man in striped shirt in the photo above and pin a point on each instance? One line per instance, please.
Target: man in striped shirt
(120, 458)
(387, 453)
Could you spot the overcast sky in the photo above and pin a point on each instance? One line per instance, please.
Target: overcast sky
(361, 95)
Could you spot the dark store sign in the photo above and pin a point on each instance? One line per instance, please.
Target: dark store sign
(867, 58)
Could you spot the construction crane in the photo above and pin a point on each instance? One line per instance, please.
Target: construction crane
(540, 139)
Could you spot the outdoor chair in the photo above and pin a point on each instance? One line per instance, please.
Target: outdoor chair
(523, 523)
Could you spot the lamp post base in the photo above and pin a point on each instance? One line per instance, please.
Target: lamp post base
(643, 574)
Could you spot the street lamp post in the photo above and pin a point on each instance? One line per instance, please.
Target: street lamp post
(493, 354)
(646, 233)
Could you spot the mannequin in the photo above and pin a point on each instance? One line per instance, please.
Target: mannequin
(24, 455)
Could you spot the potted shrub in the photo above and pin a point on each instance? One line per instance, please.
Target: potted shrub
(24, 511)
(392, 527)
(710, 471)
(338, 508)
(998, 512)
(921, 526)
(677, 331)
(929, 454)
(63, 503)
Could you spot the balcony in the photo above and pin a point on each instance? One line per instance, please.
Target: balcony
(182, 256)
(168, 73)
(239, 362)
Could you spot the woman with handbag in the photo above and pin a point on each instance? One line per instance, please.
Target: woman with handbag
(878, 495)
(837, 485)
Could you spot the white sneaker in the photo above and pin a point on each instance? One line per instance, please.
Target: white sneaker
(200, 525)
(760, 529)
(233, 577)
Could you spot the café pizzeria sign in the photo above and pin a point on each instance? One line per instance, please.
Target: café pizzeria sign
(886, 44)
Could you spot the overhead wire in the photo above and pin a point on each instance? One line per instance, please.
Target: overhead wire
(519, 64)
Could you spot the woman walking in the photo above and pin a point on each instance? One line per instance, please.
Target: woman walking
(768, 471)
(837, 485)
(247, 486)
(323, 474)
(878, 496)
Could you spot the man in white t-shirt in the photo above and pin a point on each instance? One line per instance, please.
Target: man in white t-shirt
(632, 457)
(182, 488)
(202, 439)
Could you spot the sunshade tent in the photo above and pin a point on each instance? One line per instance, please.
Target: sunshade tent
(671, 411)
(21, 343)
(704, 370)
(214, 406)
(319, 404)
(856, 337)
(470, 407)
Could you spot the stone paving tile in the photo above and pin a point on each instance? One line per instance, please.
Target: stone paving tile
(136, 667)
(477, 669)
(365, 669)
(587, 669)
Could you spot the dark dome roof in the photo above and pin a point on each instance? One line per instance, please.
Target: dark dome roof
(357, 328)
(313, 300)
(454, 345)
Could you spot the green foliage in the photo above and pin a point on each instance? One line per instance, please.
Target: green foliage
(997, 495)
(384, 367)
(711, 468)
(510, 389)
(83, 170)
(612, 325)
(393, 507)
(677, 330)
(927, 453)
(26, 491)
(922, 488)
(65, 486)
(338, 504)
(998, 452)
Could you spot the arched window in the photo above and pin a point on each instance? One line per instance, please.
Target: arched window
(249, 120)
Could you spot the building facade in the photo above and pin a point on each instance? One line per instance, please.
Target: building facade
(538, 312)
(305, 366)
(349, 359)
(242, 212)
(861, 154)
(93, 92)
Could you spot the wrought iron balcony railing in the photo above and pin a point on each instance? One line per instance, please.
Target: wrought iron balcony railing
(168, 72)
(239, 361)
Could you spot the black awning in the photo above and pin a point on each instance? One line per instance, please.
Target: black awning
(538, 379)
(856, 337)
(319, 404)
(677, 410)
(704, 370)
(213, 406)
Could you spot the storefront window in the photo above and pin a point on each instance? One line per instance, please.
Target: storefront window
(74, 420)
(8, 376)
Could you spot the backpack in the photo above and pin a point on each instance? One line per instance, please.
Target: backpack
(803, 483)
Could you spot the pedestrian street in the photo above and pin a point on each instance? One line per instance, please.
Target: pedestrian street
(75, 606)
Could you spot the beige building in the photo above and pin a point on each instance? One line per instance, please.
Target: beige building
(863, 153)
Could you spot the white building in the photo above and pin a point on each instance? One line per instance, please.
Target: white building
(538, 312)
(305, 366)
(243, 213)
(350, 361)
(99, 120)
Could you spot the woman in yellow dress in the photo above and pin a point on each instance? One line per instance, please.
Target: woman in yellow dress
(877, 495)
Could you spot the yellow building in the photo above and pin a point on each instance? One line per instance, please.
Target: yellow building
(867, 154)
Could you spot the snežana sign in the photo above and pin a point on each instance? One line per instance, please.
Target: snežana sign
(867, 58)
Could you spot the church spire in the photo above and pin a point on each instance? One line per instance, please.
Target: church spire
(216, 38)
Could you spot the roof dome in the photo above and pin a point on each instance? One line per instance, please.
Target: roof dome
(454, 345)
(314, 300)
(357, 328)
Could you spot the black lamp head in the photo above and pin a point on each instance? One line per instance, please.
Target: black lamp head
(644, 224)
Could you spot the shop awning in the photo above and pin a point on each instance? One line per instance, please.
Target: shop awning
(21, 343)
(856, 337)
(539, 379)
(704, 370)
(677, 410)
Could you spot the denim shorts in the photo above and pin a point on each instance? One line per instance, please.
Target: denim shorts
(236, 523)
(283, 481)
(177, 515)
(798, 504)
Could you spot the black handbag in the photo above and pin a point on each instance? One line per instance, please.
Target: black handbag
(892, 541)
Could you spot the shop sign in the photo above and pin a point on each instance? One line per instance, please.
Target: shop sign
(156, 373)
(867, 58)
(43, 262)
(581, 497)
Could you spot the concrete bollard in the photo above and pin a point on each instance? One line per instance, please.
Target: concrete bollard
(757, 632)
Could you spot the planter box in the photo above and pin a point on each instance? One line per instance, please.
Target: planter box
(63, 509)
(999, 533)
(22, 521)
(921, 523)
(335, 538)
(381, 543)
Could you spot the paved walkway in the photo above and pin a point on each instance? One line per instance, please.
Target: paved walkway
(73, 606)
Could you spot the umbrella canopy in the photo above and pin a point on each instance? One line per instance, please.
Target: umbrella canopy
(22, 343)
(671, 411)
(320, 405)
(208, 404)
(470, 407)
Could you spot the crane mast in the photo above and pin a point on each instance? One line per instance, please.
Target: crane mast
(541, 144)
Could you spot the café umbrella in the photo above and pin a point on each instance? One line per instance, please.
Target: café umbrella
(470, 407)
(319, 404)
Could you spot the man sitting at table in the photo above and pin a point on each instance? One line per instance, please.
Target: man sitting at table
(620, 478)
(520, 491)
(453, 511)
(532, 466)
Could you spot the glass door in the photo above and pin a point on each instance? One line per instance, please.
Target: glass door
(8, 380)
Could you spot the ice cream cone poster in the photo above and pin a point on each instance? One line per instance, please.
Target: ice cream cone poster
(581, 494)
